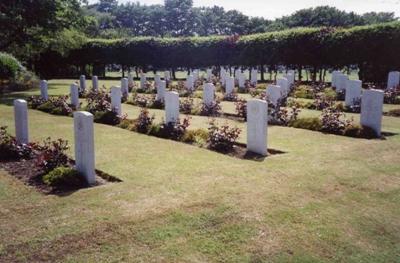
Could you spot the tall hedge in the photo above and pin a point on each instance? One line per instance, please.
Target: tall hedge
(374, 49)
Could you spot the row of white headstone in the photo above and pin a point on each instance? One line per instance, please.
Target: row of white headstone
(83, 137)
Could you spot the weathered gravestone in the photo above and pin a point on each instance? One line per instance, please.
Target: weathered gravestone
(84, 145)
(353, 92)
(161, 89)
(242, 80)
(254, 76)
(143, 80)
(21, 121)
(43, 90)
(124, 87)
(341, 82)
(208, 94)
(237, 73)
(167, 75)
(130, 80)
(257, 124)
(334, 78)
(95, 83)
(190, 82)
(230, 85)
(116, 95)
(74, 93)
(209, 74)
(274, 93)
(371, 110)
(284, 84)
(393, 79)
(223, 76)
(171, 107)
(82, 83)
(157, 80)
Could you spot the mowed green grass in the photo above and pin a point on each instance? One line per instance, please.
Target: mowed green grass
(327, 199)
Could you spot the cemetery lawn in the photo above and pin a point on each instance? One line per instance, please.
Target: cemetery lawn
(327, 199)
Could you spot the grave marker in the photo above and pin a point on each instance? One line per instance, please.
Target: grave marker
(84, 145)
(257, 124)
(43, 90)
(116, 95)
(353, 92)
(371, 110)
(21, 121)
(171, 106)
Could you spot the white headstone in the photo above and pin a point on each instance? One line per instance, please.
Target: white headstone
(284, 84)
(195, 75)
(209, 74)
(84, 145)
(230, 85)
(223, 76)
(254, 76)
(21, 121)
(237, 74)
(371, 110)
(157, 80)
(171, 106)
(290, 77)
(341, 82)
(95, 83)
(334, 77)
(82, 83)
(208, 94)
(274, 93)
(257, 124)
(43, 90)
(74, 93)
(393, 79)
(130, 80)
(353, 91)
(161, 89)
(124, 87)
(143, 80)
(242, 80)
(116, 95)
(167, 75)
(190, 82)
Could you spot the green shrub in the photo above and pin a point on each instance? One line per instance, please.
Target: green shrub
(330, 93)
(64, 177)
(198, 136)
(9, 66)
(304, 93)
(313, 124)
(16, 76)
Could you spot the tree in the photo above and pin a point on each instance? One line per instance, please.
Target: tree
(26, 26)
(107, 5)
(179, 17)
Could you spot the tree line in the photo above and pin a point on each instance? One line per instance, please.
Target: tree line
(372, 49)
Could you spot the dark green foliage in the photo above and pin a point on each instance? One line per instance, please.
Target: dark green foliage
(392, 96)
(313, 124)
(107, 117)
(64, 177)
(9, 66)
(222, 138)
(10, 149)
(307, 47)
(358, 131)
(173, 130)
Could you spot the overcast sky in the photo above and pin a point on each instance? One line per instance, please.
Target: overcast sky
(277, 8)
